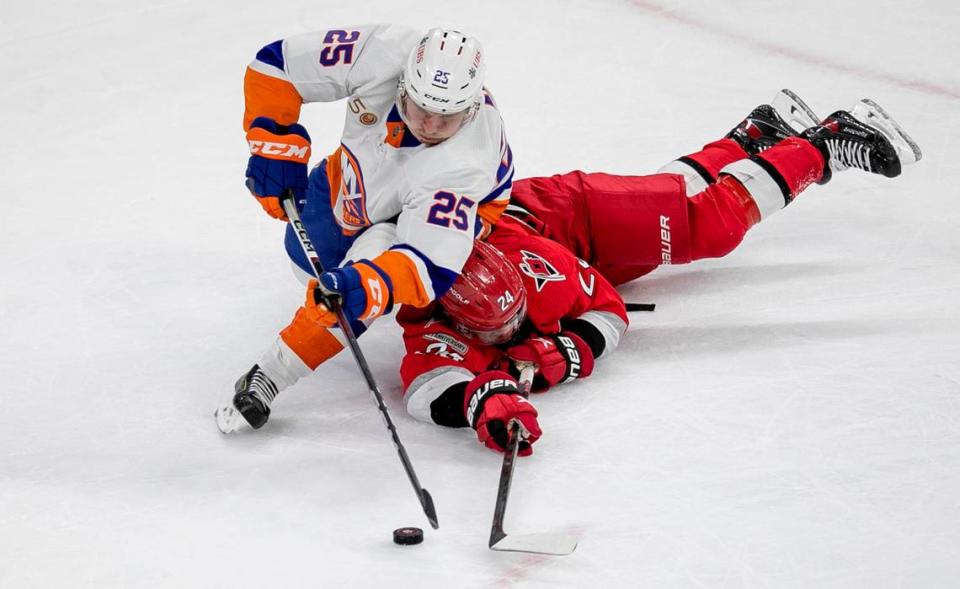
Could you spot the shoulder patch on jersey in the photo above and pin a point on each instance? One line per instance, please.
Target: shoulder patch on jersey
(537, 267)
(458, 346)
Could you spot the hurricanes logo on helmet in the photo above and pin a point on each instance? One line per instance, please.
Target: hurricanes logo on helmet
(538, 268)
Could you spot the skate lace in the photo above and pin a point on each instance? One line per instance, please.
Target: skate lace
(263, 388)
(849, 154)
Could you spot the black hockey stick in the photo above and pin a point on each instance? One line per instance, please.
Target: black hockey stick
(426, 501)
(541, 543)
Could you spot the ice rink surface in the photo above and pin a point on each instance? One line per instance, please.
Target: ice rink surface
(789, 416)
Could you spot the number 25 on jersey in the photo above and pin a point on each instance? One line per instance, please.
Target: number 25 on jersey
(338, 47)
(447, 209)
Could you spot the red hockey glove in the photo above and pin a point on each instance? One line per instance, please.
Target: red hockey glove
(559, 358)
(492, 403)
(278, 163)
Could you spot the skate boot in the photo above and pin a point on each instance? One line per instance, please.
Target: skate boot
(250, 402)
(768, 124)
(866, 138)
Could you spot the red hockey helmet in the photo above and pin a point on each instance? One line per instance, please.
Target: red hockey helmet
(487, 301)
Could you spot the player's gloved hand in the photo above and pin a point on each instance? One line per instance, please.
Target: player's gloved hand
(363, 288)
(278, 163)
(492, 403)
(559, 358)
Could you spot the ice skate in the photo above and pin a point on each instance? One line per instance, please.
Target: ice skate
(249, 405)
(871, 113)
(768, 124)
(865, 138)
(794, 111)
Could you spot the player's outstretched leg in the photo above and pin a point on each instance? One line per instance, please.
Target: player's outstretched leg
(757, 186)
(865, 138)
(787, 115)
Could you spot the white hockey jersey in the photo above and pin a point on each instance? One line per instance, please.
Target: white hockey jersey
(440, 196)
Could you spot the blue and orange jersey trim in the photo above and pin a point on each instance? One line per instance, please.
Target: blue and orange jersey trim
(492, 206)
(416, 280)
(267, 92)
(397, 135)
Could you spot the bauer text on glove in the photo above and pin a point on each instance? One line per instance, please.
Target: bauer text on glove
(559, 358)
(492, 403)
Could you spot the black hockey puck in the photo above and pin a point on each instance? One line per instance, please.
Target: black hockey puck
(407, 536)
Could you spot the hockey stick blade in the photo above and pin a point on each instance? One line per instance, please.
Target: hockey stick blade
(552, 544)
(426, 501)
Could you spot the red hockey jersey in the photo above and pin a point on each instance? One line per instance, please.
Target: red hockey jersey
(560, 289)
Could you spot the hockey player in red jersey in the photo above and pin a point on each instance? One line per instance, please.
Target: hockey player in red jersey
(701, 205)
(552, 309)
(528, 299)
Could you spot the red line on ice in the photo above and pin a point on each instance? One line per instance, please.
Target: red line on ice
(815, 60)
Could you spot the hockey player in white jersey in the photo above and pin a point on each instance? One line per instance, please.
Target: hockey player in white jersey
(423, 167)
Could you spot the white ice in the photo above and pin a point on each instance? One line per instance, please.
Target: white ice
(788, 417)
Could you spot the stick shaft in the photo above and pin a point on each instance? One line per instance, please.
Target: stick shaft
(509, 459)
(426, 501)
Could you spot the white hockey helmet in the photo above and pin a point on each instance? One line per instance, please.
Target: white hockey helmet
(444, 73)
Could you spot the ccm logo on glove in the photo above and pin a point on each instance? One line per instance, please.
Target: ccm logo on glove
(277, 164)
(286, 151)
(376, 295)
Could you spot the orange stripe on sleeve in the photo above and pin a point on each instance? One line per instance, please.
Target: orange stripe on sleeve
(312, 343)
(267, 96)
(407, 286)
(491, 211)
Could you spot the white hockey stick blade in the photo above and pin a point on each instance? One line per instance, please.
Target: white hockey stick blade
(552, 544)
